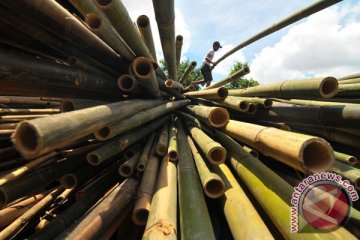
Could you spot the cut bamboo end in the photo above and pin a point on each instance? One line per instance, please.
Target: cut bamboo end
(93, 21)
(268, 103)
(252, 108)
(214, 188)
(125, 171)
(141, 167)
(161, 149)
(140, 216)
(27, 140)
(193, 63)
(218, 117)
(217, 155)
(69, 181)
(173, 155)
(103, 134)
(67, 106)
(169, 83)
(143, 21)
(352, 160)
(179, 38)
(142, 68)
(103, 3)
(244, 106)
(328, 87)
(93, 159)
(222, 92)
(126, 83)
(317, 155)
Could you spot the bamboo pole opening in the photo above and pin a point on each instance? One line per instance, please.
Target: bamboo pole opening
(214, 188)
(103, 3)
(26, 138)
(141, 167)
(93, 159)
(68, 181)
(328, 87)
(179, 38)
(161, 149)
(244, 105)
(173, 155)
(140, 216)
(125, 171)
(126, 83)
(217, 155)
(93, 21)
(222, 92)
(352, 160)
(169, 83)
(67, 106)
(103, 133)
(219, 117)
(193, 63)
(142, 67)
(252, 108)
(268, 103)
(143, 21)
(317, 155)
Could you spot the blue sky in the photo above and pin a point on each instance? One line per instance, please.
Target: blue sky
(326, 43)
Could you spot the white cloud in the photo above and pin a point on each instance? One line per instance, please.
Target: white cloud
(145, 7)
(224, 67)
(327, 43)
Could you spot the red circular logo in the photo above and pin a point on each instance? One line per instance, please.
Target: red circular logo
(325, 206)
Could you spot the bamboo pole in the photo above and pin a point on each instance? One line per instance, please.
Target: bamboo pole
(145, 154)
(215, 116)
(345, 158)
(311, 102)
(349, 81)
(68, 105)
(174, 84)
(348, 172)
(173, 143)
(304, 153)
(39, 136)
(128, 168)
(187, 72)
(212, 184)
(194, 216)
(146, 190)
(162, 142)
(355, 75)
(252, 152)
(232, 78)
(216, 93)
(129, 84)
(178, 46)
(162, 219)
(143, 24)
(18, 111)
(236, 104)
(303, 13)
(348, 90)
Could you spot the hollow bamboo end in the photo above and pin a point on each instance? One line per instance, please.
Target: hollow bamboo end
(328, 87)
(143, 21)
(193, 63)
(141, 167)
(142, 67)
(161, 149)
(103, 134)
(69, 181)
(252, 108)
(67, 106)
(268, 103)
(254, 153)
(27, 140)
(352, 160)
(219, 117)
(103, 3)
(217, 155)
(179, 38)
(126, 83)
(93, 21)
(214, 188)
(246, 69)
(125, 171)
(169, 83)
(93, 159)
(317, 155)
(3, 199)
(222, 92)
(140, 216)
(244, 106)
(173, 155)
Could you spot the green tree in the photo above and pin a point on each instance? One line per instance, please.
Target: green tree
(242, 82)
(195, 75)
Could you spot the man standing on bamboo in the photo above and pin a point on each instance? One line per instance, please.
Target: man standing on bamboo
(208, 64)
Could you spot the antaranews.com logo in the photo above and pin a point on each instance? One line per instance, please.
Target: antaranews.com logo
(322, 200)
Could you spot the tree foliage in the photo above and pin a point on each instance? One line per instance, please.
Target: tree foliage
(195, 75)
(242, 82)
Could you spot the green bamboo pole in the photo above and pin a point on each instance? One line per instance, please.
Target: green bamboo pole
(119, 17)
(251, 151)
(215, 116)
(143, 24)
(349, 90)
(128, 168)
(162, 220)
(99, 219)
(271, 191)
(173, 143)
(345, 158)
(145, 154)
(146, 191)
(194, 217)
(325, 87)
(303, 13)
(120, 143)
(212, 184)
(304, 153)
(161, 147)
(348, 172)
(76, 210)
(349, 81)
(232, 78)
(233, 103)
(216, 93)
(187, 72)
(165, 19)
(355, 75)
(213, 151)
(39, 136)
(178, 46)
(238, 209)
(68, 105)
(260, 102)
(136, 120)
(311, 102)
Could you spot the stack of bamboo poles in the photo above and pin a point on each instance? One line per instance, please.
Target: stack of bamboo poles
(97, 142)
